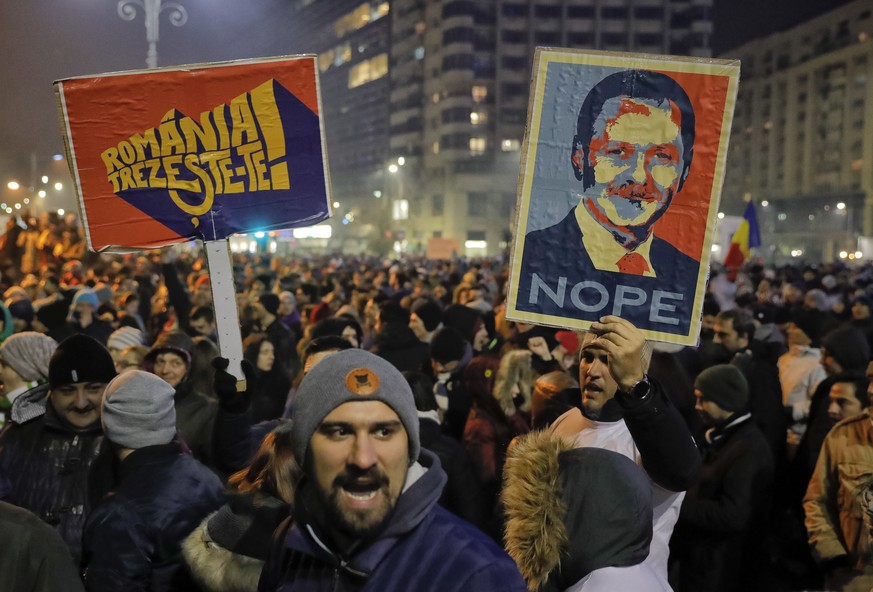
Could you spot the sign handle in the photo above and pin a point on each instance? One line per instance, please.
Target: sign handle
(226, 315)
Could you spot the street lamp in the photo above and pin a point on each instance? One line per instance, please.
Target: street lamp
(152, 9)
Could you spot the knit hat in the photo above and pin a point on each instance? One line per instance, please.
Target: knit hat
(270, 301)
(28, 353)
(447, 345)
(430, 313)
(568, 339)
(351, 375)
(80, 358)
(21, 309)
(124, 337)
(139, 410)
(53, 314)
(176, 343)
(724, 385)
(87, 295)
(849, 347)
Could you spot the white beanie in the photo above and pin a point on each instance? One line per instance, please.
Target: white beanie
(124, 337)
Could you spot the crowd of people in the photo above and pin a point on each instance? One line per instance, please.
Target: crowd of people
(395, 431)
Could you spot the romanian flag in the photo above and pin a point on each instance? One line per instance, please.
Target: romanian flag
(745, 238)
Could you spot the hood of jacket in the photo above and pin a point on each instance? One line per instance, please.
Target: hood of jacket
(216, 568)
(31, 404)
(849, 347)
(418, 498)
(571, 511)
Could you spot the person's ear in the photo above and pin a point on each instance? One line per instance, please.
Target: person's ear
(578, 158)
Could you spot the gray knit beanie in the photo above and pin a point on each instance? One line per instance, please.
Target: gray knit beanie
(28, 353)
(124, 337)
(138, 410)
(351, 375)
(725, 386)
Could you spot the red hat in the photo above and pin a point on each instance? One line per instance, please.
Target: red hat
(569, 340)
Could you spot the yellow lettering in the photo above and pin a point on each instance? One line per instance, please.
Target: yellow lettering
(261, 171)
(204, 132)
(127, 152)
(211, 159)
(113, 178)
(126, 179)
(208, 197)
(171, 140)
(230, 186)
(140, 142)
(246, 151)
(154, 165)
(218, 117)
(110, 159)
(192, 165)
(264, 104)
(243, 122)
(136, 172)
(171, 167)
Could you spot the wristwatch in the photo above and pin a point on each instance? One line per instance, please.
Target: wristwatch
(640, 388)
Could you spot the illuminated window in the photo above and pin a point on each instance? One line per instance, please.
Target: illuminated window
(362, 15)
(400, 210)
(478, 145)
(509, 145)
(436, 147)
(478, 117)
(479, 93)
(368, 70)
(325, 60)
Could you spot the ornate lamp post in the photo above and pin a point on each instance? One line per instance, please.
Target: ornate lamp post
(127, 10)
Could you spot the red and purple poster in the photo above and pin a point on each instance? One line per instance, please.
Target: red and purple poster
(622, 170)
(196, 152)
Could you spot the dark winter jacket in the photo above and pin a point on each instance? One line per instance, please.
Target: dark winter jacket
(133, 538)
(423, 548)
(765, 395)
(462, 495)
(50, 465)
(720, 537)
(398, 344)
(33, 557)
(195, 420)
(572, 512)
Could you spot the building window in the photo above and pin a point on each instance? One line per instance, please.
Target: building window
(614, 38)
(478, 145)
(455, 115)
(580, 11)
(513, 62)
(462, 61)
(437, 205)
(436, 147)
(648, 12)
(478, 117)
(361, 16)
(400, 209)
(510, 145)
(458, 35)
(512, 10)
(547, 11)
(649, 39)
(513, 36)
(513, 89)
(419, 53)
(547, 37)
(613, 12)
(461, 8)
(479, 93)
(368, 70)
(477, 203)
(579, 39)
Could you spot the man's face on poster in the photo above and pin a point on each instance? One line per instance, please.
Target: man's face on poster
(636, 156)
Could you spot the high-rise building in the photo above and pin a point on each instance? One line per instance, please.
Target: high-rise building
(455, 99)
(801, 145)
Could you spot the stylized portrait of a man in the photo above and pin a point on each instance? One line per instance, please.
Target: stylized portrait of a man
(632, 152)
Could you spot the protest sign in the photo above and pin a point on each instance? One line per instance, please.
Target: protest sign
(622, 168)
(173, 154)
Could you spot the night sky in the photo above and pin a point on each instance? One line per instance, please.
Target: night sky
(44, 40)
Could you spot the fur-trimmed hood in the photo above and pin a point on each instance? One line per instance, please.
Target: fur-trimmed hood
(571, 511)
(218, 569)
(516, 367)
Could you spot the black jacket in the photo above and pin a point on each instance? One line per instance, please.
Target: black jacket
(132, 539)
(50, 465)
(720, 537)
(399, 345)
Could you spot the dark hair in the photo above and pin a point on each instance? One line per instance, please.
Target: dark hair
(273, 470)
(202, 312)
(633, 84)
(480, 375)
(860, 384)
(252, 347)
(335, 326)
(741, 321)
(422, 390)
(326, 343)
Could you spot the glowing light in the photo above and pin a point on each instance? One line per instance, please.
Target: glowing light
(26, 200)
(843, 254)
(58, 157)
(858, 254)
(721, 215)
(715, 248)
(336, 204)
(393, 168)
(765, 203)
(61, 212)
(259, 235)
(377, 194)
(320, 231)
(45, 179)
(401, 161)
(475, 244)
(13, 185)
(59, 186)
(796, 252)
(17, 206)
(41, 193)
(841, 206)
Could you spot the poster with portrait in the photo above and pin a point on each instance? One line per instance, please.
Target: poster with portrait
(196, 152)
(621, 173)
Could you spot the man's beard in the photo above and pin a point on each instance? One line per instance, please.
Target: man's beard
(359, 524)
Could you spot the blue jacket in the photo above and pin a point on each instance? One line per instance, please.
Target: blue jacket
(423, 548)
(132, 539)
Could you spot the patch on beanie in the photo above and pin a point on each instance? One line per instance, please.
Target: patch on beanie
(362, 381)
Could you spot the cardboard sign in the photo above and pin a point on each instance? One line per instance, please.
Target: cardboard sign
(168, 155)
(622, 168)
